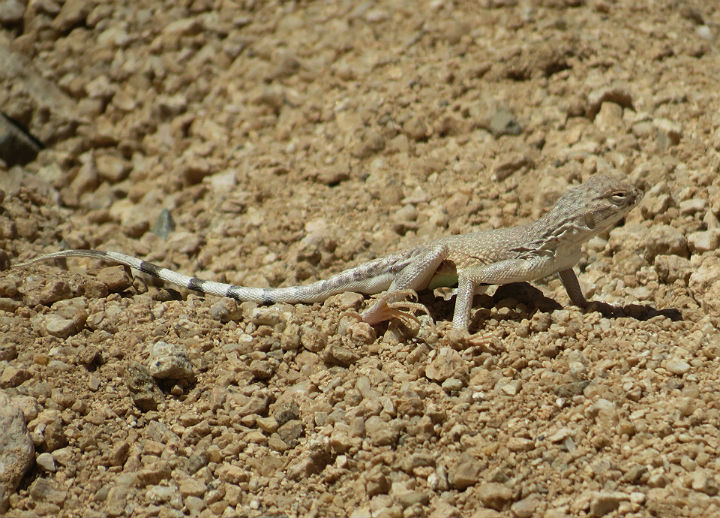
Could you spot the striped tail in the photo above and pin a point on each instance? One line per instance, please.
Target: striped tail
(369, 278)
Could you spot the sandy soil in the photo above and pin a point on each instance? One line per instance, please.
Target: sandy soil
(275, 143)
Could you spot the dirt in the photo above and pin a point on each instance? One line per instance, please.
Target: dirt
(275, 143)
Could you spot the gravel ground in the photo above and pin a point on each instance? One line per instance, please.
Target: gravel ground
(275, 143)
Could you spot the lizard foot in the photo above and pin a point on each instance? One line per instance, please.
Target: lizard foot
(388, 307)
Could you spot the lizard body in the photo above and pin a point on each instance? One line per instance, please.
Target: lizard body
(552, 244)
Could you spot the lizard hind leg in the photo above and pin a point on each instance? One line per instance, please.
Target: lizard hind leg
(415, 275)
(389, 307)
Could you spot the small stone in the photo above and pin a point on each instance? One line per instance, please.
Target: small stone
(704, 283)
(45, 490)
(9, 305)
(117, 498)
(665, 240)
(46, 461)
(8, 352)
(339, 355)
(51, 291)
(63, 456)
(703, 482)
(445, 364)
(410, 498)
(291, 432)
(672, 267)
(192, 487)
(520, 444)
(560, 435)
(115, 278)
(226, 310)
(112, 168)
(267, 424)
(604, 502)
(466, 473)
(17, 453)
(13, 376)
(692, 206)
(677, 366)
(367, 143)
(11, 12)
(286, 411)
(145, 394)
(58, 326)
(510, 387)
(170, 361)
(332, 175)
(452, 385)
(54, 435)
(704, 241)
(164, 495)
(617, 94)
(154, 473)
(262, 369)
(610, 117)
(508, 164)
(72, 14)
(416, 129)
(669, 132)
(380, 432)
(494, 495)
(232, 474)
(504, 122)
(525, 508)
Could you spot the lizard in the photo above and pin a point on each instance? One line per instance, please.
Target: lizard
(523, 253)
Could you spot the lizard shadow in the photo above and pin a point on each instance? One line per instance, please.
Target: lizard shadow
(535, 300)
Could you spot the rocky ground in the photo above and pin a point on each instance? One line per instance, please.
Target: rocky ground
(275, 143)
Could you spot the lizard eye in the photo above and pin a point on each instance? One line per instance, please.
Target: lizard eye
(618, 196)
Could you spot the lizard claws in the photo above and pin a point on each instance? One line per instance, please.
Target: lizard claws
(388, 307)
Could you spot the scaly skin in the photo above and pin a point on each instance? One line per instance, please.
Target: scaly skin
(529, 252)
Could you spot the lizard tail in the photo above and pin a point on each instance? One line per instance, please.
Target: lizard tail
(348, 280)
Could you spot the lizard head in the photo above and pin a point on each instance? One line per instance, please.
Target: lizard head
(600, 202)
(593, 207)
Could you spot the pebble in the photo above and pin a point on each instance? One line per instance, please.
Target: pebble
(677, 366)
(56, 325)
(604, 502)
(145, 393)
(8, 352)
(504, 122)
(45, 293)
(380, 432)
(671, 268)
(13, 376)
(617, 94)
(508, 386)
(45, 490)
(465, 474)
(11, 12)
(704, 283)
(17, 454)
(46, 461)
(445, 364)
(170, 361)
(494, 495)
(527, 507)
(368, 143)
(704, 241)
(669, 132)
(115, 278)
(665, 240)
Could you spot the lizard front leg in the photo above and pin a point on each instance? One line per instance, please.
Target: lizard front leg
(572, 286)
(415, 276)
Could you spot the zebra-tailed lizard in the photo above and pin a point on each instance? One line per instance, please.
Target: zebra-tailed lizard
(472, 261)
